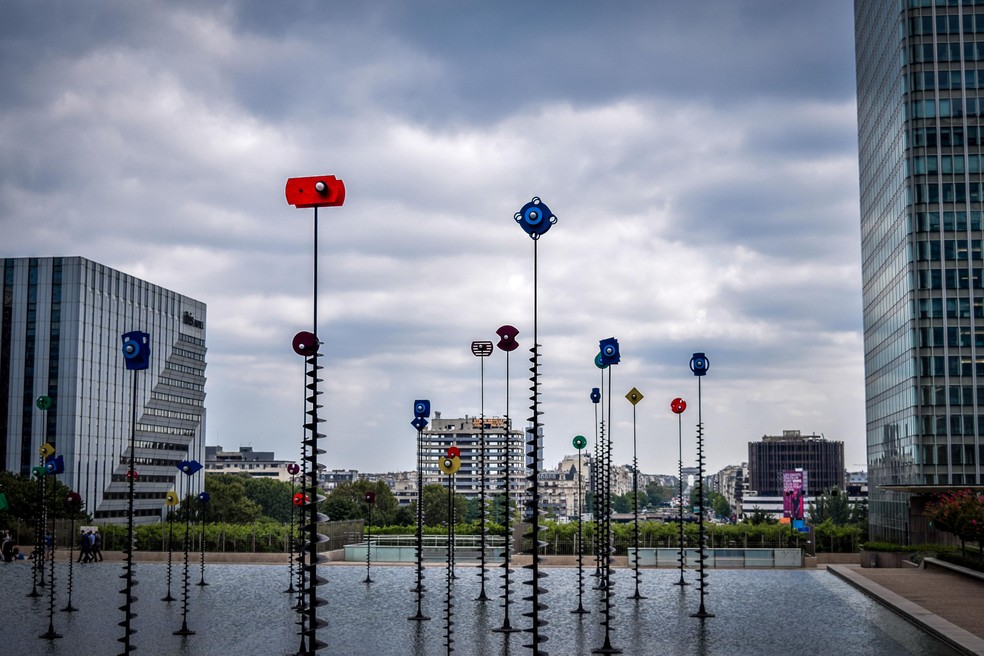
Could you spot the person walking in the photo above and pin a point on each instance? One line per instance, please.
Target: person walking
(97, 546)
(8, 547)
(85, 548)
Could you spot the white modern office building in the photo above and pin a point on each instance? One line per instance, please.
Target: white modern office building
(61, 331)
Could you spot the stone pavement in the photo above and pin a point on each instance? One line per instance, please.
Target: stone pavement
(945, 603)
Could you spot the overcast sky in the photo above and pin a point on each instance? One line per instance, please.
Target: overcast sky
(701, 158)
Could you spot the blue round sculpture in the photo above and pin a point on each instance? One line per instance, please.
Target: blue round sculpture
(535, 218)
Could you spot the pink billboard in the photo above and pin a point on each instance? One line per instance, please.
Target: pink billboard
(793, 493)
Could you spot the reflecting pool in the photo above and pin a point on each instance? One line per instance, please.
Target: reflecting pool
(244, 611)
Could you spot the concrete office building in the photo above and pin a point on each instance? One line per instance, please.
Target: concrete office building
(60, 336)
(920, 83)
(465, 433)
(820, 458)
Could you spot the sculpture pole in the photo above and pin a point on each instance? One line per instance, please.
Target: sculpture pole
(507, 342)
(136, 357)
(678, 405)
(450, 464)
(608, 355)
(634, 396)
(535, 218)
(55, 465)
(292, 469)
(421, 410)
(203, 499)
(579, 443)
(313, 192)
(72, 503)
(370, 499)
(171, 499)
(699, 364)
(482, 350)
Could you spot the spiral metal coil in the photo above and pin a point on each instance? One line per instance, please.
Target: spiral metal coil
(131, 543)
(69, 608)
(533, 504)
(681, 555)
(51, 634)
(184, 630)
(449, 574)
(419, 588)
(607, 545)
(701, 558)
(309, 630)
(506, 570)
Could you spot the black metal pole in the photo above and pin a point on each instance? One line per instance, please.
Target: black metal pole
(682, 551)
(170, 551)
(419, 589)
(506, 626)
(635, 507)
(481, 493)
(580, 610)
(128, 613)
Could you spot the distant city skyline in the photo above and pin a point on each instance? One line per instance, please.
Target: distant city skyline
(701, 159)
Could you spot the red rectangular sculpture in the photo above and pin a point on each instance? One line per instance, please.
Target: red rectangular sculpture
(315, 191)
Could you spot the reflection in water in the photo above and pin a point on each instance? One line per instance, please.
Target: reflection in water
(243, 611)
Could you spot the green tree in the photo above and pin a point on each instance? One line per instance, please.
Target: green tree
(24, 501)
(436, 505)
(657, 494)
(759, 516)
(718, 503)
(273, 496)
(348, 501)
(228, 501)
(833, 505)
(622, 503)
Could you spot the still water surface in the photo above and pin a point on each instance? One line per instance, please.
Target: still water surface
(244, 611)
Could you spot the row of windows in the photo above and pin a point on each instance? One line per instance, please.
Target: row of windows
(947, 164)
(168, 430)
(191, 340)
(187, 370)
(946, 24)
(946, 192)
(122, 496)
(952, 136)
(956, 454)
(954, 365)
(137, 512)
(915, 4)
(945, 80)
(953, 394)
(949, 249)
(152, 462)
(951, 336)
(183, 384)
(950, 279)
(931, 221)
(958, 425)
(144, 478)
(164, 446)
(174, 398)
(923, 53)
(171, 414)
(189, 354)
(943, 107)
(956, 308)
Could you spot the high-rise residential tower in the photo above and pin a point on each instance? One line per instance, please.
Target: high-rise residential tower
(920, 81)
(61, 331)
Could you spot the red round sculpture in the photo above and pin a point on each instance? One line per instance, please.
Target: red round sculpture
(678, 405)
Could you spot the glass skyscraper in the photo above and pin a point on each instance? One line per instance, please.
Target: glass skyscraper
(920, 82)
(61, 333)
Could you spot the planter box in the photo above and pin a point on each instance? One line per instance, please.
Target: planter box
(882, 558)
